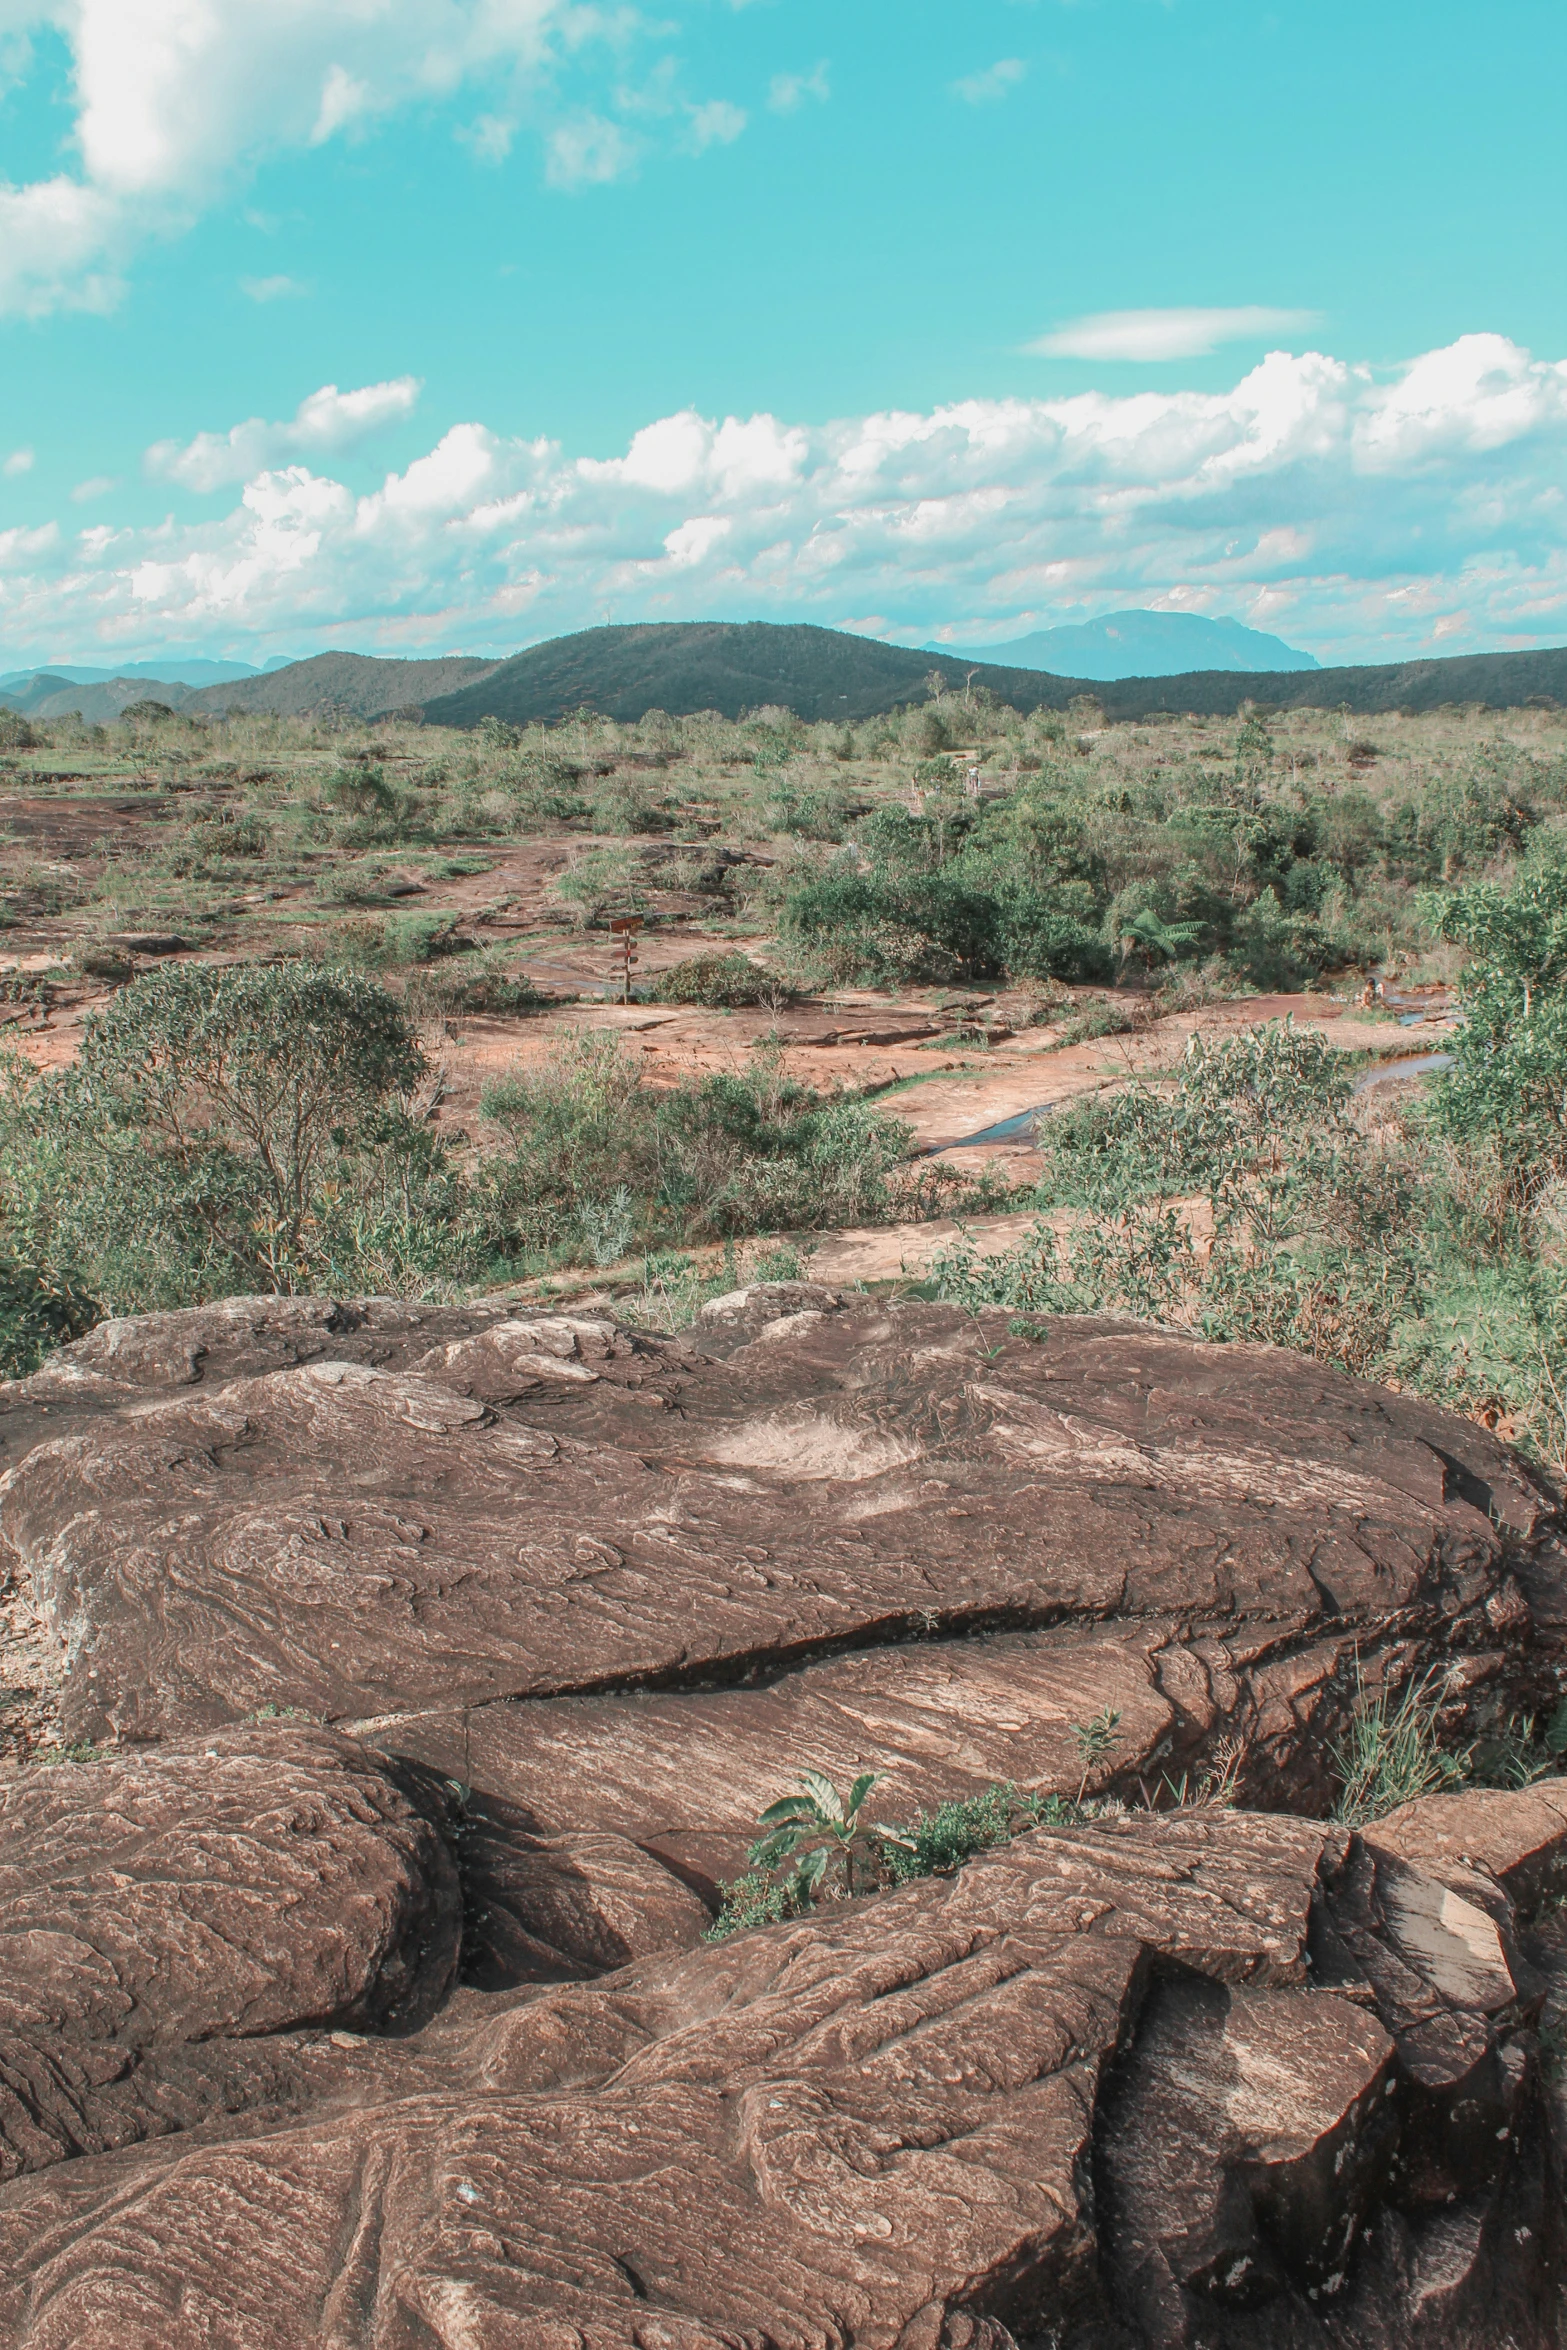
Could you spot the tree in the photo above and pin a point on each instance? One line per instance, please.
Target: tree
(270, 1067)
(1509, 1073)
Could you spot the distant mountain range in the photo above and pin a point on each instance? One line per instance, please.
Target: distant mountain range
(1145, 644)
(821, 673)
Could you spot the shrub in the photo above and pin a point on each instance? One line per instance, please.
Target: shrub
(202, 1130)
(714, 979)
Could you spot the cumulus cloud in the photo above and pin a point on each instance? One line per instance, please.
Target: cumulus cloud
(1167, 334)
(997, 81)
(177, 99)
(589, 152)
(715, 123)
(326, 422)
(1363, 515)
(19, 461)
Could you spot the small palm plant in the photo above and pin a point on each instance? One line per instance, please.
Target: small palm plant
(818, 1828)
(1154, 937)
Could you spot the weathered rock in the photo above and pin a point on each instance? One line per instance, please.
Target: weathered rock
(1516, 1840)
(551, 1908)
(856, 2128)
(373, 1511)
(1084, 2092)
(1111, 2087)
(158, 1909)
(1286, 2102)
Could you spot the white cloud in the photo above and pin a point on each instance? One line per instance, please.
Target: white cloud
(716, 123)
(589, 152)
(98, 485)
(178, 100)
(19, 461)
(329, 420)
(982, 89)
(1365, 516)
(270, 289)
(787, 92)
(489, 137)
(1166, 334)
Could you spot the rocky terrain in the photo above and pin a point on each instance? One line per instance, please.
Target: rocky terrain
(423, 1672)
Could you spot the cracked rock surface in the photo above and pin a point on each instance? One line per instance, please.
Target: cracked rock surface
(435, 1664)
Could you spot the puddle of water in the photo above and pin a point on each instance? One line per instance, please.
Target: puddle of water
(1418, 1066)
(1016, 1129)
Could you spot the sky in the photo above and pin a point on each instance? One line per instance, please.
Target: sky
(414, 326)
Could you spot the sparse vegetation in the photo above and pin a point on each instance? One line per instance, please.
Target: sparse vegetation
(1196, 857)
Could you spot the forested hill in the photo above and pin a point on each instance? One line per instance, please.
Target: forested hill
(824, 673)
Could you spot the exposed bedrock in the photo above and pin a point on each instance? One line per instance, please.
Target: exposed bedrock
(1096, 2091)
(815, 1530)
(165, 1918)
(384, 2021)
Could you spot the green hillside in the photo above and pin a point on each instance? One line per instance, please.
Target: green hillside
(819, 673)
(355, 683)
(823, 673)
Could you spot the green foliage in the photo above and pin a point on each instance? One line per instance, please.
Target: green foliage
(819, 1845)
(1394, 1751)
(821, 1834)
(715, 979)
(1095, 1741)
(1509, 1074)
(36, 1313)
(1395, 1250)
(728, 1155)
(940, 1841)
(223, 1129)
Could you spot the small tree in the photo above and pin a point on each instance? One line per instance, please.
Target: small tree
(818, 1828)
(1509, 1074)
(273, 1066)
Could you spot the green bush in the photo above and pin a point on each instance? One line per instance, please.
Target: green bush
(714, 979)
(222, 1129)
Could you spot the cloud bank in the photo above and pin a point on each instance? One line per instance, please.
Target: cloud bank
(176, 100)
(1362, 517)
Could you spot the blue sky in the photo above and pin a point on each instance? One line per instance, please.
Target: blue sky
(544, 250)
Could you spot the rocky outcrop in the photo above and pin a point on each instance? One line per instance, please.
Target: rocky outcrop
(374, 1512)
(429, 1668)
(1089, 2091)
(166, 1919)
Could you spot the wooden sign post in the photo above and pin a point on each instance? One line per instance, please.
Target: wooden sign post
(625, 928)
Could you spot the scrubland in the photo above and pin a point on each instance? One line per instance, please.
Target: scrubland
(242, 962)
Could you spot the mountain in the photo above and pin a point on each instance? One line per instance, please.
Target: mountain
(50, 694)
(100, 705)
(825, 673)
(727, 666)
(171, 672)
(1146, 644)
(822, 673)
(355, 683)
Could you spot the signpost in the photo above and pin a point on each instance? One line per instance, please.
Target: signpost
(625, 928)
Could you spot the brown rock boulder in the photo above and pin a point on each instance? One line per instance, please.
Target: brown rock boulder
(163, 1917)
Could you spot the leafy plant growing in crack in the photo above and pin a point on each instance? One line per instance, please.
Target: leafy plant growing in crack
(818, 1829)
(1094, 1741)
